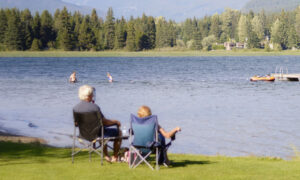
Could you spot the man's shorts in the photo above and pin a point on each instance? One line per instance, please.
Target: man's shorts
(110, 132)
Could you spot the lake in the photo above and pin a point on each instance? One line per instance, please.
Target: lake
(211, 98)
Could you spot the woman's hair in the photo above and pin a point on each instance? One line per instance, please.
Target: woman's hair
(144, 111)
(85, 91)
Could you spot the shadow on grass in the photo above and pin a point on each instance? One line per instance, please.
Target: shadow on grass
(20, 150)
(185, 163)
(182, 163)
(19, 153)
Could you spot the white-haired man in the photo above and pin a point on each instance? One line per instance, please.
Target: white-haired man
(87, 95)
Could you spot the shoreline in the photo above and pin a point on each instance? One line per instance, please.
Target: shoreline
(151, 53)
(14, 138)
(10, 137)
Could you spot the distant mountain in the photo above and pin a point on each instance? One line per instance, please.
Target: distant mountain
(271, 5)
(177, 10)
(40, 5)
(171, 9)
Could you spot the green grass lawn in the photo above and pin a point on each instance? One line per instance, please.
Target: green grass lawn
(33, 161)
(151, 53)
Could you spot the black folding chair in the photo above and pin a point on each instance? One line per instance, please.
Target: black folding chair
(89, 125)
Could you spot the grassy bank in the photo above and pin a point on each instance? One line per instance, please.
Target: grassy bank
(33, 161)
(152, 53)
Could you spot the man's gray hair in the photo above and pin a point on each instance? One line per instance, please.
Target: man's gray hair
(85, 91)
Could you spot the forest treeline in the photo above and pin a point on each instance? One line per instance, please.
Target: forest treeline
(21, 30)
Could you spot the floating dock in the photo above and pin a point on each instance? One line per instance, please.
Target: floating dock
(286, 77)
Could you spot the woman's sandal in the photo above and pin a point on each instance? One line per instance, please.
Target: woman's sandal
(113, 159)
(108, 159)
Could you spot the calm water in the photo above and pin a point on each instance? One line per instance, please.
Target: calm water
(211, 98)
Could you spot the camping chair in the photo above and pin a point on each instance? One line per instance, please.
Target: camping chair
(89, 125)
(143, 140)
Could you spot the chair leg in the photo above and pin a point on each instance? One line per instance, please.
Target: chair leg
(156, 159)
(72, 154)
(131, 158)
(90, 156)
(102, 149)
(143, 159)
(134, 163)
(73, 147)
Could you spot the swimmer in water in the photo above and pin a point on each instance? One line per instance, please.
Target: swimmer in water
(110, 79)
(72, 78)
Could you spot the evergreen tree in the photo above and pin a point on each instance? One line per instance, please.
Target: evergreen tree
(121, 34)
(100, 37)
(151, 31)
(215, 27)
(36, 26)
(130, 41)
(141, 41)
(227, 20)
(197, 40)
(171, 31)
(263, 18)
(36, 45)
(277, 33)
(293, 38)
(109, 29)
(3, 25)
(284, 18)
(18, 30)
(223, 37)
(207, 42)
(253, 41)
(47, 32)
(86, 36)
(258, 28)
(65, 34)
(95, 24)
(188, 30)
(297, 21)
(165, 33)
(230, 19)
(145, 32)
(284, 23)
(57, 21)
(77, 20)
(160, 36)
(27, 34)
(243, 29)
(251, 14)
(205, 24)
(13, 35)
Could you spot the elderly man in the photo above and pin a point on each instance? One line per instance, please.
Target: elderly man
(87, 95)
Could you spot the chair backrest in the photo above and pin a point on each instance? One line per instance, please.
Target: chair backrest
(144, 130)
(89, 124)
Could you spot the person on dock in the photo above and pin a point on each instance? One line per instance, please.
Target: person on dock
(145, 111)
(110, 79)
(73, 78)
(87, 96)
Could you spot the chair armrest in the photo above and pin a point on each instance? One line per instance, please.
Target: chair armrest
(110, 125)
(173, 137)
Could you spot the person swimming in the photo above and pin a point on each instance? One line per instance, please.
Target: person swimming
(110, 79)
(73, 78)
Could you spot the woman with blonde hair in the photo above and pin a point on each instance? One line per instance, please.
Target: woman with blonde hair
(145, 111)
